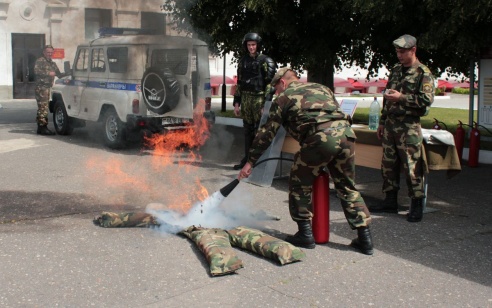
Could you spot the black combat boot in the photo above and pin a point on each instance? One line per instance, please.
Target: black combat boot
(249, 136)
(388, 205)
(241, 164)
(363, 242)
(304, 237)
(416, 210)
(43, 130)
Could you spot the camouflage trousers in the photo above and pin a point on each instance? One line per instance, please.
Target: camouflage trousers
(402, 147)
(42, 95)
(251, 107)
(335, 151)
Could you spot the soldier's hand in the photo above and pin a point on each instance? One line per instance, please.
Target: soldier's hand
(380, 131)
(245, 172)
(392, 95)
(237, 111)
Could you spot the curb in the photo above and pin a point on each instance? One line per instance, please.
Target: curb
(229, 121)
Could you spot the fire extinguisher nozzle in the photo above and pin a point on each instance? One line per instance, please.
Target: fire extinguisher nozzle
(226, 190)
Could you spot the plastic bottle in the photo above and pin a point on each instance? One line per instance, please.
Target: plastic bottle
(374, 114)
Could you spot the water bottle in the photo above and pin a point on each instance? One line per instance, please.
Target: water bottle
(374, 115)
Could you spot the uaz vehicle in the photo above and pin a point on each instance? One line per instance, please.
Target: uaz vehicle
(131, 84)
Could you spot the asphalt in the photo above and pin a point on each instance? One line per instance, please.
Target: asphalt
(443, 261)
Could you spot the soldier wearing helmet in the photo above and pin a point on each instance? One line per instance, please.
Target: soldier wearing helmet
(254, 74)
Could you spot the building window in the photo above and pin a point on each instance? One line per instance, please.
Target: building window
(154, 21)
(94, 20)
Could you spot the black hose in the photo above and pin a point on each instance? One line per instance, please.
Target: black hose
(478, 126)
(226, 190)
(485, 128)
(271, 158)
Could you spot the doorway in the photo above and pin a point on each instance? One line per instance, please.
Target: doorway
(26, 48)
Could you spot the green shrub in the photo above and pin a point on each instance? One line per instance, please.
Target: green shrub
(463, 91)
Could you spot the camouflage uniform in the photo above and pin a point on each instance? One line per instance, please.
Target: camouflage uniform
(44, 82)
(311, 115)
(402, 136)
(253, 82)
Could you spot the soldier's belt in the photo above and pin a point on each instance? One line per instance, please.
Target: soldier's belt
(330, 126)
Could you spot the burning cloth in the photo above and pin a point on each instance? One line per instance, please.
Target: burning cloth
(125, 220)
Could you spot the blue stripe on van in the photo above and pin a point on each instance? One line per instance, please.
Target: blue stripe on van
(101, 84)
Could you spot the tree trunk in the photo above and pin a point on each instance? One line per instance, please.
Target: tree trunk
(322, 73)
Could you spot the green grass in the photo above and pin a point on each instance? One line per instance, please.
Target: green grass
(449, 118)
(226, 114)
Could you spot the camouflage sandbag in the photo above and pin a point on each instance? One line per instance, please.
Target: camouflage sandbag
(265, 245)
(125, 220)
(214, 243)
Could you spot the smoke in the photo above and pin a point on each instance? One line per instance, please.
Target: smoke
(215, 211)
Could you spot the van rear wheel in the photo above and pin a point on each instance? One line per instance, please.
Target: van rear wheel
(113, 130)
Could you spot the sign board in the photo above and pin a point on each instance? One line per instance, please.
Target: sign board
(485, 93)
(58, 53)
(349, 106)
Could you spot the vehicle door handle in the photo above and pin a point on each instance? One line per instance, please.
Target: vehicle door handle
(185, 90)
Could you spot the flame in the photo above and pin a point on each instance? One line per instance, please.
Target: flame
(173, 154)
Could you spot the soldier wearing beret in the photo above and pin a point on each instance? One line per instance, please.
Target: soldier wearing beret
(409, 94)
(311, 115)
(45, 71)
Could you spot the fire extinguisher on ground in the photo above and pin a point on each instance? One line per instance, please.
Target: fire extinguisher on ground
(321, 208)
(474, 146)
(459, 140)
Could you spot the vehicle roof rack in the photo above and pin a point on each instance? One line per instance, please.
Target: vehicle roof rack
(110, 31)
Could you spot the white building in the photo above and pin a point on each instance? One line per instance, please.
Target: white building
(27, 25)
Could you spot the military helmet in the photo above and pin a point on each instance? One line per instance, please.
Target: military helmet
(252, 37)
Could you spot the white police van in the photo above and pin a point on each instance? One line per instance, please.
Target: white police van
(133, 83)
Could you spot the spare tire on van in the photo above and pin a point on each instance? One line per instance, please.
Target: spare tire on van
(160, 90)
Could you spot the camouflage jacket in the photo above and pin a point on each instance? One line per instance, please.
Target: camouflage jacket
(417, 88)
(301, 108)
(42, 68)
(254, 75)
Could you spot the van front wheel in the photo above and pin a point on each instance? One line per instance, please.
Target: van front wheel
(61, 120)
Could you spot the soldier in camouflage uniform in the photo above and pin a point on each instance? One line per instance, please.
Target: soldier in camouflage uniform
(254, 74)
(311, 115)
(45, 71)
(408, 96)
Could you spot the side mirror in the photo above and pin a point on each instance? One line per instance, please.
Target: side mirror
(67, 68)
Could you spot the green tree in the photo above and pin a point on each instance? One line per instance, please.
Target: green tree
(323, 35)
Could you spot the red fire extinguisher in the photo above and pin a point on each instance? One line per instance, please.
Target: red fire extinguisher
(436, 124)
(321, 208)
(459, 140)
(474, 146)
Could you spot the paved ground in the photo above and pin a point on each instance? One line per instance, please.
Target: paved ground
(61, 259)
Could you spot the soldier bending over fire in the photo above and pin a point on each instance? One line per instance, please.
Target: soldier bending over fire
(311, 115)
